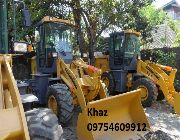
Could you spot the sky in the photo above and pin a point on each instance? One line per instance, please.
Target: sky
(160, 3)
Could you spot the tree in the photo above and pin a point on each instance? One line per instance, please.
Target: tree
(157, 17)
(94, 16)
(98, 15)
(174, 25)
(153, 18)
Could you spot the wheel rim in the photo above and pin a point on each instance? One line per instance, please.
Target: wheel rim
(52, 104)
(144, 93)
(106, 81)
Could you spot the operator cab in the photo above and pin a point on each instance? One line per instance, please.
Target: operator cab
(54, 40)
(124, 50)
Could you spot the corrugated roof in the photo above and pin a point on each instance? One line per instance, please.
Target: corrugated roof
(173, 2)
(162, 33)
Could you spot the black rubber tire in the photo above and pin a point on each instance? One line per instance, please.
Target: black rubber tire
(111, 82)
(64, 101)
(160, 95)
(43, 125)
(152, 90)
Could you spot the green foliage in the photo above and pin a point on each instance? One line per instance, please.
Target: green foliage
(153, 17)
(95, 15)
(175, 26)
(165, 58)
(38, 10)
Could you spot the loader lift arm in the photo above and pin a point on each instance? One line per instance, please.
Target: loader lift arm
(85, 89)
(77, 77)
(159, 75)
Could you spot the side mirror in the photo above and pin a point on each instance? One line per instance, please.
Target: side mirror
(21, 47)
(26, 17)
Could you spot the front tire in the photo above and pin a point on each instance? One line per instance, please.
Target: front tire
(149, 91)
(108, 79)
(43, 124)
(61, 102)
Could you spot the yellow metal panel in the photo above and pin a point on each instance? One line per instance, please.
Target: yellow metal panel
(7, 99)
(177, 103)
(124, 108)
(132, 32)
(12, 117)
(1, 92)
(10, 124)
(33, 65)
(102, 62)
(54, 20)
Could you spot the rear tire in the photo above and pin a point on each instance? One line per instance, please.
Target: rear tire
(151, 88)
(43, 124)
(64, 100)
(110, 86)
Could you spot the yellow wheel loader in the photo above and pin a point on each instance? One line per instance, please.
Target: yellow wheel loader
(123, 71)
(75, 83)
(61, 83)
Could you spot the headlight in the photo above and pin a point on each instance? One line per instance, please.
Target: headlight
(20, 47)
(54, 54)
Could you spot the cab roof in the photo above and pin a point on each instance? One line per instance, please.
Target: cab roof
(48, 19)
(132, 32)
(127, 32)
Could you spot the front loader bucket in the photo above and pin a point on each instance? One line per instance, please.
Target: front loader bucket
(122, 110)
(177, 103)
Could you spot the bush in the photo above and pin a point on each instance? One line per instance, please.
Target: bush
(167, 58)
(177, 85)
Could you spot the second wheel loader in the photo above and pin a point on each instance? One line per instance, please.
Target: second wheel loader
(123, 71)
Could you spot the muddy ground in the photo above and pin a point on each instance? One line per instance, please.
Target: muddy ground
(164, 123)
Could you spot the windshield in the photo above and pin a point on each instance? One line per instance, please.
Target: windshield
(58, 37)
(133, 44)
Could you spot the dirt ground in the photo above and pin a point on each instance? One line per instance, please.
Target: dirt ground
(161, 118)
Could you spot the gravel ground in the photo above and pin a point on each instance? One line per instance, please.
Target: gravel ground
(161, 117)
(164, 123)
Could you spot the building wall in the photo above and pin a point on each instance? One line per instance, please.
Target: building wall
(176, 13)
(170, 11)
